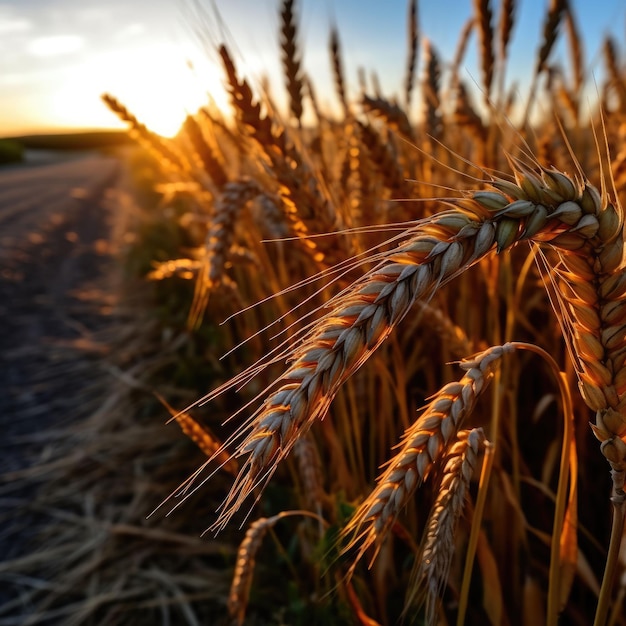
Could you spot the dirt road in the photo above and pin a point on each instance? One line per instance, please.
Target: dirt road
(55, 299)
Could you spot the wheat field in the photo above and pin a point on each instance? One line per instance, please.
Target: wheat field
(400, 328)
(470, 268)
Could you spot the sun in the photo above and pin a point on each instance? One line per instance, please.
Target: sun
(161, 87)
(157, 83)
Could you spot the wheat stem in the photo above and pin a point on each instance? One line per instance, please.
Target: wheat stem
(618, 500)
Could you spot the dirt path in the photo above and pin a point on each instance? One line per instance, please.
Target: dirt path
(80, 470)
(56, 297)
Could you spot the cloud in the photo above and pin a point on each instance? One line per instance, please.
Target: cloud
(132, 30)
(55, 45)
(14, 26)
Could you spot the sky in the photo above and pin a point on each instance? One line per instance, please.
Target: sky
(159, 58)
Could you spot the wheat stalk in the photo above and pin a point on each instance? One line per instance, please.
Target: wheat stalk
(461, 49)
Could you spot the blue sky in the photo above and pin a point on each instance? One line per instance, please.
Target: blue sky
(58, 56)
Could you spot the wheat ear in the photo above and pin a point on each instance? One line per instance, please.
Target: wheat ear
(545, 207)
(507, 21)
(550, 32)
(459, 54)
(337, 65)
(484, 18)
(246, 559)
(305, 205)
(393, 115)
(615, 79)
(164, 150)
(219, 240)
(291, 59)
(212, 165)
(576, 49)
(592, 296)
(310, 470)
(423, 445)
(384, 160)
(431, 568)
(412, 57)
(549, 36)
(431, 86)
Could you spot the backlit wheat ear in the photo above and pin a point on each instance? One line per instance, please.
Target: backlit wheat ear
(384, 160)
(465, 115)
(306, 207)
(424, 444)
(291, 59)
(546, 207)
(484, 16)
(550, 32)
(165, 151)
(205, 441)
(337, 65)
(412, 57)
(433, 564)
(242, 580)
(212, 165)
(219, 239)
(393, 115)
(246, 561)
(576, 49)
(453, 337)
(310, 469)
(431, 85)
(549, 36)
(592, 287)
(244, 568)
(507, 21)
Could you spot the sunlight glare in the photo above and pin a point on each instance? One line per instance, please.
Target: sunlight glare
(161, 90)
(156, 84)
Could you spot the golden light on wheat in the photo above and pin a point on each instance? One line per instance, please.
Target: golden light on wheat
(459, 237)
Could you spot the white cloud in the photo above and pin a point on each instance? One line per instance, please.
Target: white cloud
(55, 45)
(13, 26)
(132, 30)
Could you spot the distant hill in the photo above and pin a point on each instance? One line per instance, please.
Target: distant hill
(87, 140)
